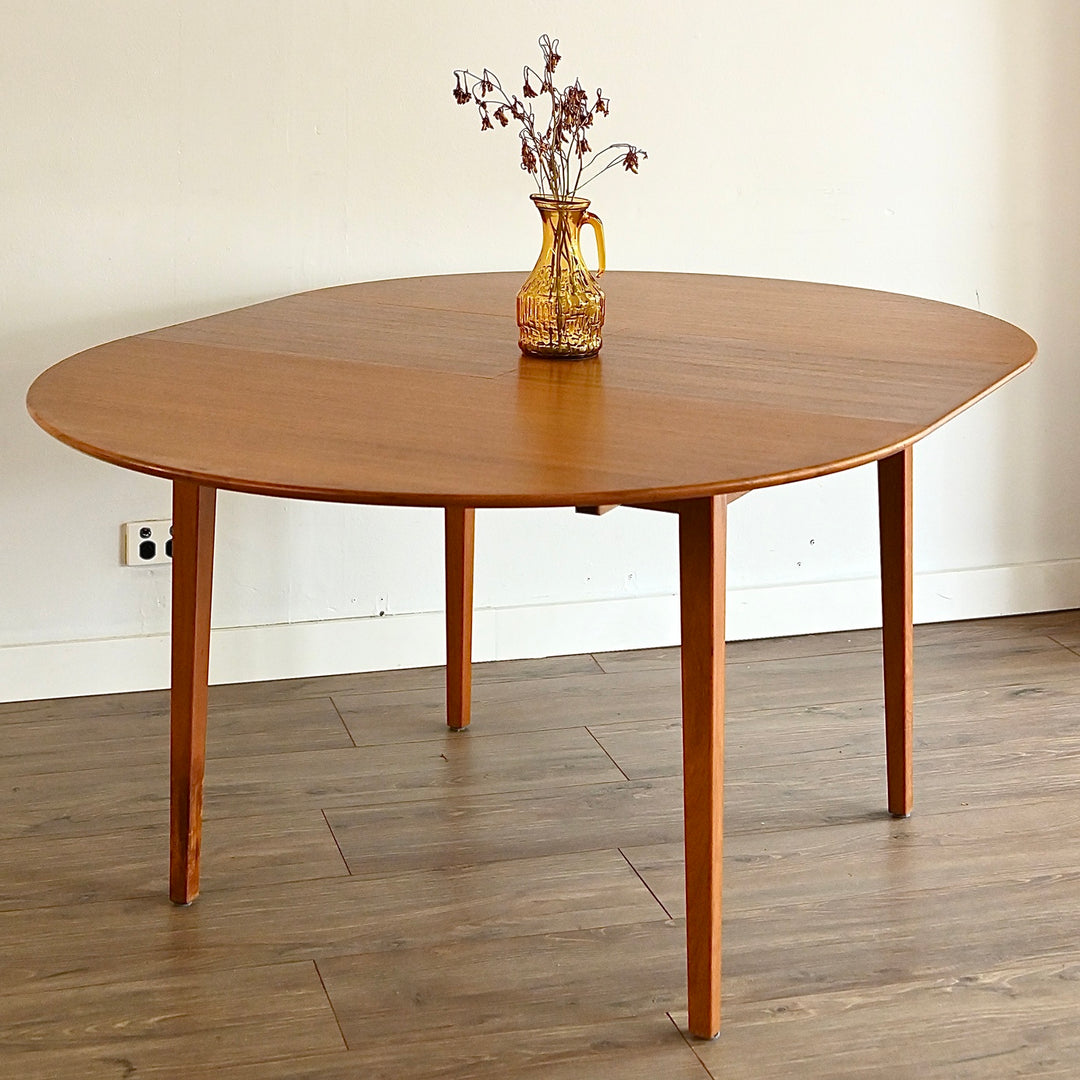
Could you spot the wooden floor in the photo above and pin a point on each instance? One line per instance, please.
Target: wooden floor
(383, 899)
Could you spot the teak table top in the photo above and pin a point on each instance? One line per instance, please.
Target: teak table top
(413, 392)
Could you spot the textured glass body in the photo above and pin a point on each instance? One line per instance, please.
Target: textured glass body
(560, 308)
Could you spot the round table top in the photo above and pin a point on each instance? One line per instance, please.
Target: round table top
(414, 392)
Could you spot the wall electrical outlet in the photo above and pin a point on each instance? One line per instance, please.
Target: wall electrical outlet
(146, 542)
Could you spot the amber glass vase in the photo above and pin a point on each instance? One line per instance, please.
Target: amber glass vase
(560, 308)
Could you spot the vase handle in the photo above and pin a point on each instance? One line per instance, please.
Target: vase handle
(598, 232)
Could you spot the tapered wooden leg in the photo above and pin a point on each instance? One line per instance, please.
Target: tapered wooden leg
(895, 519)
(702, 545)
(192, 569)
(460, 531)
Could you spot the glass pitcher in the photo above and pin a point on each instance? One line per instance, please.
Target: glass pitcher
(560, 308)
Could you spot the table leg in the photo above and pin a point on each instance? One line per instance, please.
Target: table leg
(702, 547)
(895, 522)
(193, 563)
(460, 532)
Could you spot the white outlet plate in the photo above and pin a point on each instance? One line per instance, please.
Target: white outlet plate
(146, 543)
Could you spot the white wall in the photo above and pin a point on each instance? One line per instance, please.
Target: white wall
(162, 160)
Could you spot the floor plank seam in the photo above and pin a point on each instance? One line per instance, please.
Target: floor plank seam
(348, 731)
(348, 869)
(604, 750)
(663, 906)
(1075, 650)
(330, 1002)
(690, 1041)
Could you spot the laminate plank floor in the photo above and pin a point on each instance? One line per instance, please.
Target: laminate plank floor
(385, 899)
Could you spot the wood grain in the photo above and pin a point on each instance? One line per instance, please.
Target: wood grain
(988, 719)
(310, 920)
(489, 932)
(91, 801)
(834, 676)
(482, 828)
(460, 533)
(192, 577)
(821, 865)
(367, 682)
(52, 871)
(896, 525)
(702, 586)
(414, 393)
(1006, 1021)
(573, 979)
(130, 1027)
(629, 1048)
(561, 701)
(140, 738)
(1060, 626)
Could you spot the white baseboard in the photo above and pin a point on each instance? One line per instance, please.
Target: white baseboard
(291, 650)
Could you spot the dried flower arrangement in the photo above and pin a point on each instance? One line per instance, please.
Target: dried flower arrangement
(559, 157)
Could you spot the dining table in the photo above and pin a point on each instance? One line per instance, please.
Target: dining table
(413, 392)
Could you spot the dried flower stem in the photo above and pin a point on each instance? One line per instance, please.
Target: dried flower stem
(559, 156)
